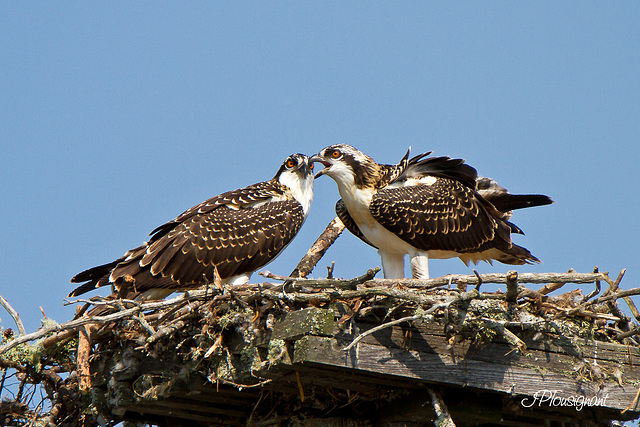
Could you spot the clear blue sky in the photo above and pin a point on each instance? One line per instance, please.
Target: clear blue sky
(117, 116)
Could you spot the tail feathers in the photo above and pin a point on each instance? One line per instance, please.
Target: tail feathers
(514, 228)
(508, 202)
(504, 201)
(95, 273)
(523, 256)
(517, 255)
(86, 287)
(95, 277)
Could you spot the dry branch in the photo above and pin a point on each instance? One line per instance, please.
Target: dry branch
(298, 283)
(318, 249)
(441, 410)
(512, 286)
(497, 278)
(101, 320)
(14, 314)
(84, 350)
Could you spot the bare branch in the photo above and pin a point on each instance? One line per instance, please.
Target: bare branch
(613, 297)
(318, 249)
(505, 333)
(441, 410)
(512, 286)
(630, 333)
(14, 314)
(325, 283)
(384, 326)
(101, 320)
(84, 350)
(534, 278)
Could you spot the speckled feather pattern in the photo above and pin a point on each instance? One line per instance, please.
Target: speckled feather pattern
(236, 232)
(236, 241)
(432, 204)
(443, 216)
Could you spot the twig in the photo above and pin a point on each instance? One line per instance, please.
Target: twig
(613, 285)
(82, 365)
(4, 377)
(613, 297)
(214, 347)
(595, 292)
(441, 410)
(506, 334)
(300, 388)
(426, 315)
(330, 269)
(633, 404)
(381, 327)
(334, 294)
(497, 278)
(580, 311)
(630, 333)
(14, 314)
(240, 387)
(632, 307)
(318, 249)
(253, 411)
(324, 283)
(550, 287)
(512, 286)
(143, 322)
(101, 320)
(163, 331)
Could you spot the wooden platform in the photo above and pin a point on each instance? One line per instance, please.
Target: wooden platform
(383, 380)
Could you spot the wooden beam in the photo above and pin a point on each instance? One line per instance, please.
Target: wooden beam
(532, 380)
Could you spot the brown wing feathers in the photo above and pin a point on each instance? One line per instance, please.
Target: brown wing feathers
(349, 223)
(442, 216)
(446, 215)
(183, 252)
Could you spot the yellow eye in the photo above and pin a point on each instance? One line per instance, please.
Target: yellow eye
(311, 166)
(335, 154)
(291, 163)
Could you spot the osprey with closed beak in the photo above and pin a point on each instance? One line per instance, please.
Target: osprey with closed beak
(235, 233)
(427, 207)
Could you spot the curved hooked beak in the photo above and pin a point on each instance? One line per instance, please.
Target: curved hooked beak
(319, 159)
(306, 168)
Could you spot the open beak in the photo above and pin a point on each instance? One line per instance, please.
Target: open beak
(319, 159)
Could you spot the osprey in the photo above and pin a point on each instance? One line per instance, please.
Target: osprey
(235, 233)
(433, 207)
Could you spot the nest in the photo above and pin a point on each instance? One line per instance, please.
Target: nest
(216, 355)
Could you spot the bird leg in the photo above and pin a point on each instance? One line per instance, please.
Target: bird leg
(392, 264)
(419, 265)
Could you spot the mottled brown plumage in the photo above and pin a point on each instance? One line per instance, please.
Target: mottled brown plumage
(428, 207)
(236, 233)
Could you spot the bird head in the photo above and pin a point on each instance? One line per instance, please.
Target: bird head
(346, 165)
(298, 164)
(296, 172)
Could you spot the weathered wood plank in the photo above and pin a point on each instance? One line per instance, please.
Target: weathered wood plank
(442, 368)
(430, 338)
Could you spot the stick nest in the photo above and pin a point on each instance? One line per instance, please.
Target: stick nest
(119, 351)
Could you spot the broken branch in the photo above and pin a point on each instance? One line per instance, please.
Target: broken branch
(14, 314)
